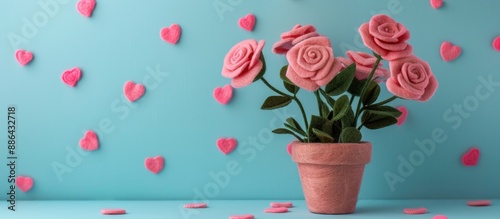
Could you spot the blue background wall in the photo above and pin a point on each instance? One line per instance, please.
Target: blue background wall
(179, 119)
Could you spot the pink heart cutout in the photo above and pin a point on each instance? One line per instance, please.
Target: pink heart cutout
(71, 76)
(23, 57)
(223, 94)
(289, 149)
(402, 117)
(154, 164)
(471, 157)
(436, 3)
(24, 183)
(496, 44)
(86, 7)
(226, 145)
(133, 91)
(247, 22)
(171, 34)
(449, 52)
(89, 142)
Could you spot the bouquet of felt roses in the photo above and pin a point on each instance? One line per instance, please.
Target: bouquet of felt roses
(337, 81)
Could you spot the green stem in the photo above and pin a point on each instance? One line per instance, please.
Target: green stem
(352, 99)
(273, 88)
(303, 116)
(294, 98)
(318, 99)
(385, 101)
(365, 86)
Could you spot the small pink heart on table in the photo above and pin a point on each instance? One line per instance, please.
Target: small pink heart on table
(24, 183)
(226, 145)
(133, 91)
(471, 157)
(436, 3)
(247, 22)
(402, 117)
(154, 164)
(171, 34)
(23, 57)
(85, 7)
(449, 52)
(89, 142)
(71, 76)
(223, 94)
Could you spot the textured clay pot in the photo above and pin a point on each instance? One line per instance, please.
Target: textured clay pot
(331, 174)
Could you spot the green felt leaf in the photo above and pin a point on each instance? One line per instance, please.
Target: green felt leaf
(324, 110)
(323, 137)
(295, 130)
(340, 107)
(292, 122)
(327, 97)
(371, 94)
(317, 123)
(350, 135)
(263, 70)
(384, 110)
(275, 102)
(376, 121)
(356, 86)
(291, 88)
(348, 119)
(289, 85)
(283, 131)
(283, 75)
(341, 81)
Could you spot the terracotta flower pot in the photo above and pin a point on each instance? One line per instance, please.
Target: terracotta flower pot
(331, 174)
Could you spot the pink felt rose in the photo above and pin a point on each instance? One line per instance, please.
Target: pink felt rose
(412, 79)
(242, 63)
(386, 37)
(364, 65)
(311, 63)
(293, 37)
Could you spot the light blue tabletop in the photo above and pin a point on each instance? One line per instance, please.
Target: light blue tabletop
(454, 209)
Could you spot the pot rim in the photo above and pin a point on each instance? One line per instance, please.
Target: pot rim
(332, 153)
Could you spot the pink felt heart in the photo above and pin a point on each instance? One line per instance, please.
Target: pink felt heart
(440, 217)
(226, 145)
(402, 117)
(23, 57)
(85, 7)
(223, 94)
(245, 216)
(436, 3)
(133, 91)
(496, 44)
(289, 149)
(71, 76)
(89, 142)
(247, 22)
(449, 52)
(24, 183)
(154, 164)
(276, 210)
(471, 157)
(171, 34)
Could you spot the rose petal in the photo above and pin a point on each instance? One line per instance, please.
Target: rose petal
(247, 78)
(337, 66)
(282, 46)
(369, 41)
(297, 31)
(257, 52)
(304, 83)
